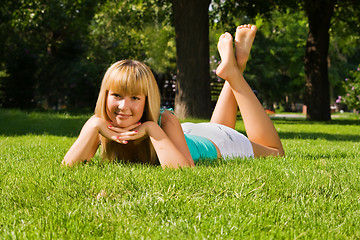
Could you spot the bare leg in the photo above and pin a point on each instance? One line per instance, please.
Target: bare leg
(259, 128)
(226, 106)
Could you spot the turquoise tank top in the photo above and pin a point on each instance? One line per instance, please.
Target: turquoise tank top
(200, 147)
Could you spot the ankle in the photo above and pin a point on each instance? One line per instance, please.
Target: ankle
(235, 73)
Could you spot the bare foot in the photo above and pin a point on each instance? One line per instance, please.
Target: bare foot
(244, 39)
(228, 63)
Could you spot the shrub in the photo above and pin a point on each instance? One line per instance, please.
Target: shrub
(352, 88)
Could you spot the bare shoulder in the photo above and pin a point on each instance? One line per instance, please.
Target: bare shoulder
(169, 119)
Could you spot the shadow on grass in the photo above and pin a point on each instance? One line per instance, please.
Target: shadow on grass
(307, 122)
(17, 123)
(319, 135)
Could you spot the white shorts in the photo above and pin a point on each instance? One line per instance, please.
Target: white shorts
(230, 142)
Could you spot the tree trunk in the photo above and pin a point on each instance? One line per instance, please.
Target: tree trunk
(317, 97)
(191, 23)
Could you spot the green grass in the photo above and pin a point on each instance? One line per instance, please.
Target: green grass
(311, 193)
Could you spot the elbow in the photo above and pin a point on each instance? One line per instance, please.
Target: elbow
(65, 163)
(281, 152)
(69, 162)
(188, 164)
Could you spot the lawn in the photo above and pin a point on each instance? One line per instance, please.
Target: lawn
(311, 193)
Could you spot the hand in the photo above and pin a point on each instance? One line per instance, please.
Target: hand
(108, 130)
(134, 132)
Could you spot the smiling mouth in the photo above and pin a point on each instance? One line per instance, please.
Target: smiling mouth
(122, 116)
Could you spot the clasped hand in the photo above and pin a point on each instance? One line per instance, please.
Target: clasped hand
(122, 135)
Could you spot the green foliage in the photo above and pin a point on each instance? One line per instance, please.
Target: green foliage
(133, 30)
(352, 89)
(276, 65)
(285, 70)
(55, 52)
(44, 49)
(344, 50)
(227, 13)
(312, 192)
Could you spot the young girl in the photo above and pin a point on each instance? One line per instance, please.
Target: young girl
(129, 125)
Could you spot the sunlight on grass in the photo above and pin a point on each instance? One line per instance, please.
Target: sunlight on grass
(312, 192)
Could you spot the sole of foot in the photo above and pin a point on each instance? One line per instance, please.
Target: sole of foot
(244, 38)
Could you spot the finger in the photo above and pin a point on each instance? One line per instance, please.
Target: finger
(131, 136)
(122, 130)
(109, 134)
(117, 129)
(131, 127)
(121, 140)
(127, 136)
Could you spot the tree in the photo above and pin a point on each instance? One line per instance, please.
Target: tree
(133, 29)
(317, 98)
(55, 52)
(47, 57)
(44, 50)
(191, 23)
(17, 61)
(136, 29)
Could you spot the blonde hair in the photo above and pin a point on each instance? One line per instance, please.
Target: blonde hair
(132, 77)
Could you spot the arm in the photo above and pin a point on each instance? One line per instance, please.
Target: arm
(87, 143)
(168, 153)
(172, 128)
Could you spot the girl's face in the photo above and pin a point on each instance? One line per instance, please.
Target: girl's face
(124, 109)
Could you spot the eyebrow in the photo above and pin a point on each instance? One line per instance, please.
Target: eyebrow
(123, 93)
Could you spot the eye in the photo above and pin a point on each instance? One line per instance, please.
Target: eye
(135, 98)
(115, 95)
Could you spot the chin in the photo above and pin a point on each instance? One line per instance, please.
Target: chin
(124, 124)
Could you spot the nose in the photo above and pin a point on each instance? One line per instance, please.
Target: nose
(123, 104)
